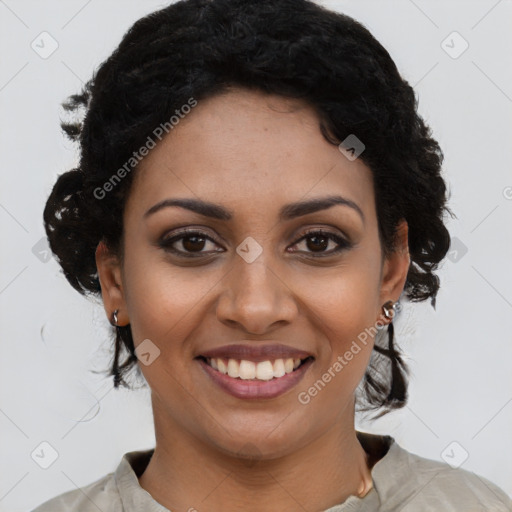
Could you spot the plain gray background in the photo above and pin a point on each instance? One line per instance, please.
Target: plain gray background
(460, 355)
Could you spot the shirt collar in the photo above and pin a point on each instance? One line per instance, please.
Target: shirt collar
(135, 498)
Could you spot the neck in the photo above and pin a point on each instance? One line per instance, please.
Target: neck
(185, 473)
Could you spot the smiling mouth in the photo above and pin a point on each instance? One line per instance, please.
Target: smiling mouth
(243, 369)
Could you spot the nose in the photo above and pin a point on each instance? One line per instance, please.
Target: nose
(255, 298)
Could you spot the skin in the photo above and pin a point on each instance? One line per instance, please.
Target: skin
(252, 153)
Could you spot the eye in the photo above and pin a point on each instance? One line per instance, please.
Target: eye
(319, 241)
(191, 243)
(190, 240)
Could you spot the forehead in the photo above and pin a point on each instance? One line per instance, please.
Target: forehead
(250, 151)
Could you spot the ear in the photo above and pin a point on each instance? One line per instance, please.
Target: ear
(396, 266)
(110, 277)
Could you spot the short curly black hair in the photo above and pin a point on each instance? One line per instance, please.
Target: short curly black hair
(293, 48)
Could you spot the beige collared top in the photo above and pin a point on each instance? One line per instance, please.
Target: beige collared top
(402, 482)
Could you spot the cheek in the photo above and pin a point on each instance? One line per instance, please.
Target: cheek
(164, 301)
(345, 312)
(345, 300)
(166, 305)
(345, 326)
(167, 317)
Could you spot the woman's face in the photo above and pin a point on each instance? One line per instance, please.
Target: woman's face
(247, 284)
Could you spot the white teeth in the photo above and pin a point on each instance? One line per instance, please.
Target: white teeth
(221, 365)
(279, 368)
(233, 368)
(264, 370)
(247, 370)
(288, 365)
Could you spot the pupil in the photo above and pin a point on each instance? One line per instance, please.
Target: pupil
(194, 238)
(314, 245)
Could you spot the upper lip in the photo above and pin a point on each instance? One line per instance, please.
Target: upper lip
(256, 352)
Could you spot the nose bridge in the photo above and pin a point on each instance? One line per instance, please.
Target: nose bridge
(254, 281)
(254, 296)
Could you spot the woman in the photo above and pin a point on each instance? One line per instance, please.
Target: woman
(256, 193)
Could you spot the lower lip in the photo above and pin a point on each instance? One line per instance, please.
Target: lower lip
(256, 388)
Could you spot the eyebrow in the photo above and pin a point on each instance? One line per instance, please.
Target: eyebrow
(287, 212)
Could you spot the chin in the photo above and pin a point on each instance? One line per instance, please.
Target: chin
(261, 441)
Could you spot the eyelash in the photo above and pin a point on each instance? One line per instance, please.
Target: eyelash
(166, 243)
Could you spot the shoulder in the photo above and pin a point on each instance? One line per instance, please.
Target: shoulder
(102, 494)
(410, 482)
